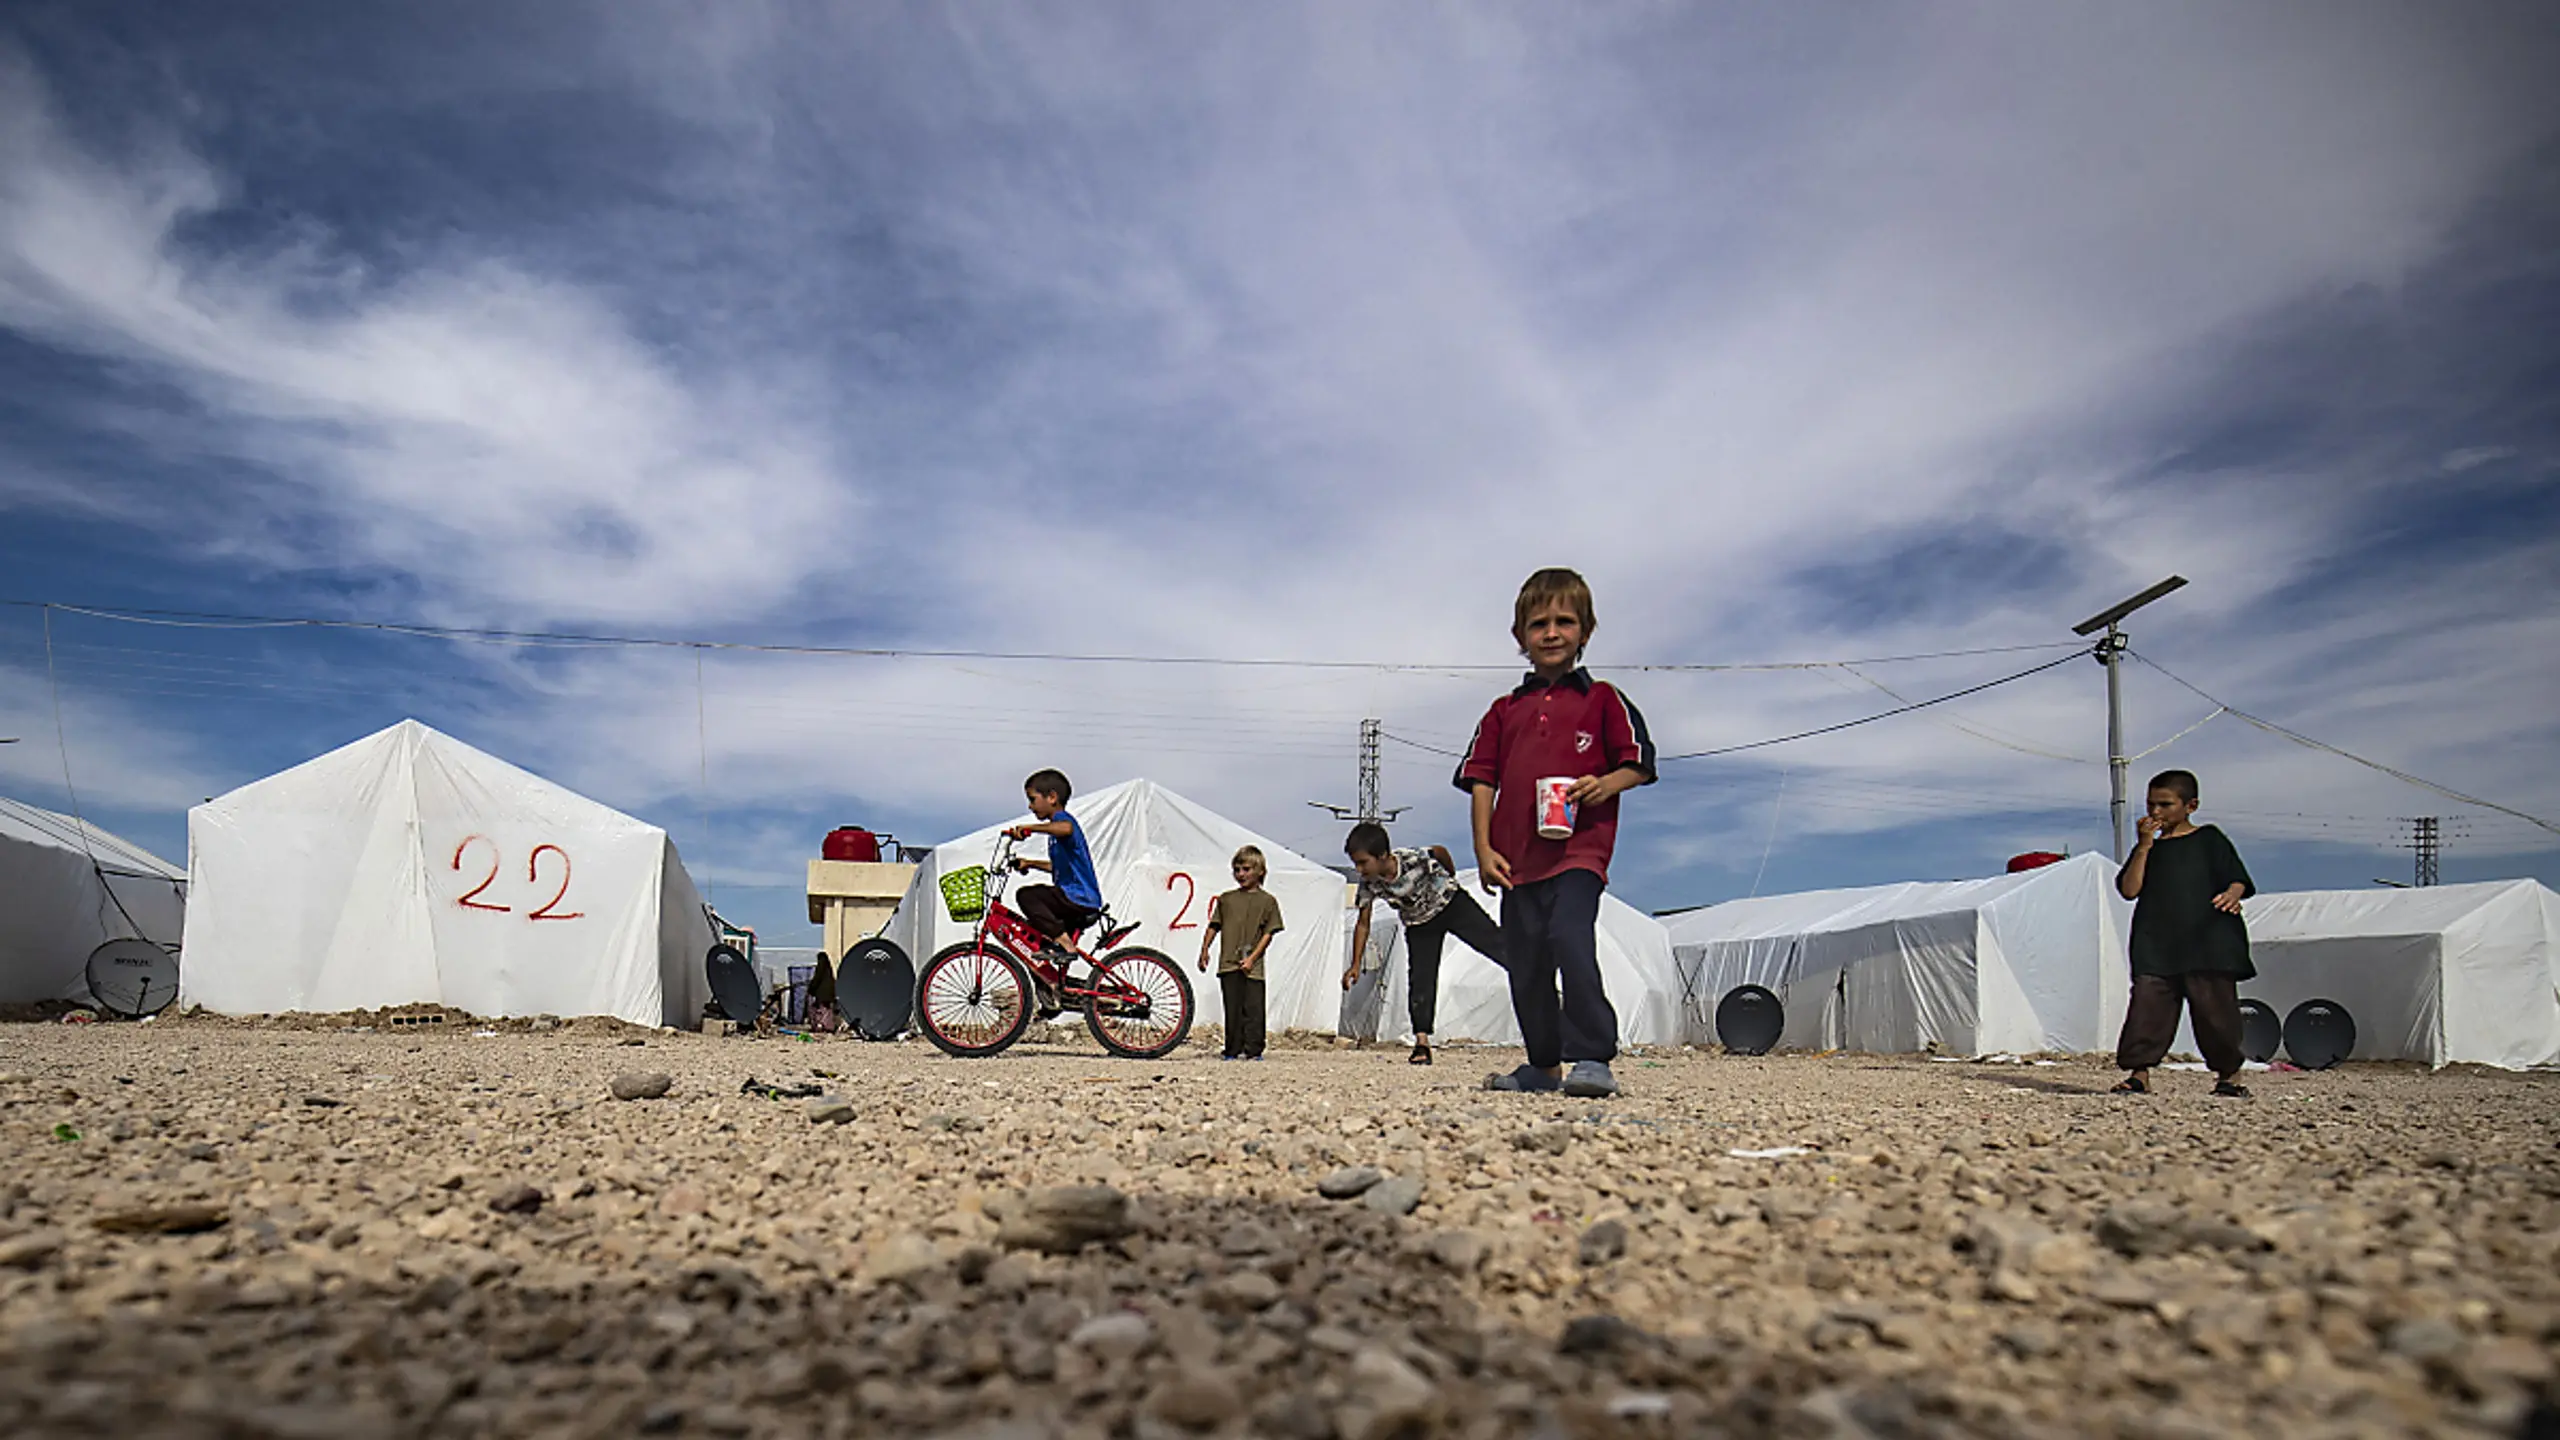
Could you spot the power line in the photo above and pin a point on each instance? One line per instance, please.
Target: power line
(1879, 715)
(2306, 741)
(1819, 730)
(198, 619)
(1982, 733)
(1418, 745)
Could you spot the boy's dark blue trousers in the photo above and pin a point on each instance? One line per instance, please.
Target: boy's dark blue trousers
(1461, 917)
(1551, 933)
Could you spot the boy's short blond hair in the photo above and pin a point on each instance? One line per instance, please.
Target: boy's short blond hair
(1551, 584)
(1252, 855)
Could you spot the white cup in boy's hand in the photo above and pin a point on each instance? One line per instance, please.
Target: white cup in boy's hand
(1555, 807)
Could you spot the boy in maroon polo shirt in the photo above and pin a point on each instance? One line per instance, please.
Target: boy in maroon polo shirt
(1559, 723)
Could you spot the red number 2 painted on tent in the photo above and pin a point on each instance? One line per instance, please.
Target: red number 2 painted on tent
(468, 900)
(533, 872)
(1190, 892)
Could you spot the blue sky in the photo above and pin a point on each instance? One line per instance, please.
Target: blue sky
(1297, 333)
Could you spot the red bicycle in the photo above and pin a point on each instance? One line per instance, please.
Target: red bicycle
(975, 998)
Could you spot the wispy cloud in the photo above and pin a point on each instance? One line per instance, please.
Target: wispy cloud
(501, 439)
(1306, 332)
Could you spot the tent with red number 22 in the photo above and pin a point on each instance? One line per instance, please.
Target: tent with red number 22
(409, 868)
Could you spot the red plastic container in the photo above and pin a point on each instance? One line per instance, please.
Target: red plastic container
(845, 842)
(2033, 860)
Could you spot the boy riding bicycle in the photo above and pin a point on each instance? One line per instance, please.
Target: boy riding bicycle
(1075, 901)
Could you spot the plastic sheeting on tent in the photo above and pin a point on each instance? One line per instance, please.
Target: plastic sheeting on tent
(2449, 974)
(1161, 858)
(65, 889)
(1475, 994)
(409, 868)
(2017, 963)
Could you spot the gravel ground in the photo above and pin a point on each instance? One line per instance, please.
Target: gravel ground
(449, 1233)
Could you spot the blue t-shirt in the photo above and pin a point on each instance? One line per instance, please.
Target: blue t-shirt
(1071, 866)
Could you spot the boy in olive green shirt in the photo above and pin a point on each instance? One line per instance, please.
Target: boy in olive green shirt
(1246, 917)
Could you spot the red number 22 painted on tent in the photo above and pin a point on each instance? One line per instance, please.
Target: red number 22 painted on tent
(549, 910)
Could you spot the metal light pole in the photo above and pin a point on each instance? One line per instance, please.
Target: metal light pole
(2109, 651)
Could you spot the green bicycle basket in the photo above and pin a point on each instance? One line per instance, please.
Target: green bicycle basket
(964, 894)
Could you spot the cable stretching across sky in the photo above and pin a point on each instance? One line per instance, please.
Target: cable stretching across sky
(2221, 707)
(184, 619)
(1824, 729)
(203, 620)
(2272, 728)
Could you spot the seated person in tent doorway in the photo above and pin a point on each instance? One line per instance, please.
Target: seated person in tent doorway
(1075, 900)
(1245, 918)
(1422, 884)
(2189, 945)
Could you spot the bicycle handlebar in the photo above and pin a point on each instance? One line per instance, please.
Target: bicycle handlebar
(1000, 863)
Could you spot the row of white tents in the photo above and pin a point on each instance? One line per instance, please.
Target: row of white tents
(408, 867)
(2035, 961)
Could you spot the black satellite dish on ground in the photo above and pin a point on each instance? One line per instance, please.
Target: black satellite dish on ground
(2319, 1034)
(733, 984)
(132, 978)
(1749, 1020)
(2260, 1031)
(876, 989)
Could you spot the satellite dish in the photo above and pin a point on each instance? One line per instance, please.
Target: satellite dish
(876, 989)
(132, 978)
(2319, 1034)
(733, 984)
(2260, 1031)
(1749, 1020)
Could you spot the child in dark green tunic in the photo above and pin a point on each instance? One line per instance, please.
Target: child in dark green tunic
(2190, 946)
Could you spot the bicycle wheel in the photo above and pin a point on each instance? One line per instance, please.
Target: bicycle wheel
(972, 1002)
(1153, 1020)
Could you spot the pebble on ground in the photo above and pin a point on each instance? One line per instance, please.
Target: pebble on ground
(287, 1229)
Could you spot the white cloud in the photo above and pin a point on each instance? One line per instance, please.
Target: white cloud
(501, 438)
(119, 760)
(1307, 334)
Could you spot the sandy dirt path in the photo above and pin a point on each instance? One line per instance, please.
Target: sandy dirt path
(1962, 1249)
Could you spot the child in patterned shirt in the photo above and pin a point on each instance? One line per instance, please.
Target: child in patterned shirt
(1422, 885)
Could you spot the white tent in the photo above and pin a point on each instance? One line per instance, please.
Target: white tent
(66, 888)
(410, 868)
(2448, 974)
(1161, 858)
(2019, 963)
(1475, 994)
